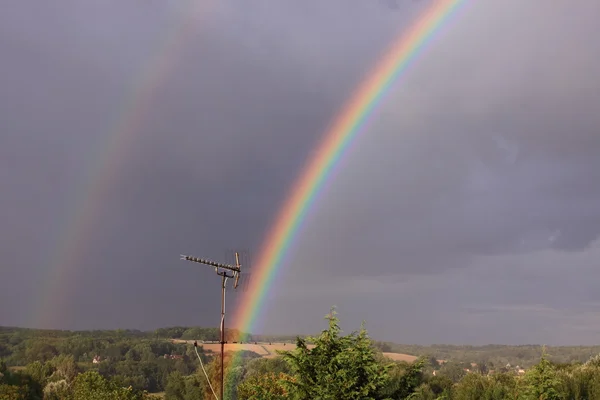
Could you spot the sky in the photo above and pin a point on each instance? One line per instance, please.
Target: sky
(466, 211)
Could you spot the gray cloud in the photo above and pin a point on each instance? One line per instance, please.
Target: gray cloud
(471, 194)
(221, 135)
(544, 296)
(453, 189)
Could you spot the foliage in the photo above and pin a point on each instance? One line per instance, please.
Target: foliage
(12, 392)
(92, 386)
(495, 355)
(53, 365)
(404, 380)
(337, 368)
(542, 382)
(57, 390)
(268, 386)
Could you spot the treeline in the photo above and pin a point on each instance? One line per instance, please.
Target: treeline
(134, 365)
(198, 333)
(39, 361)
(525, 355)
(352, 367)
(213, 334)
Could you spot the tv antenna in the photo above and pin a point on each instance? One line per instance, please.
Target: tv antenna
(225, 271)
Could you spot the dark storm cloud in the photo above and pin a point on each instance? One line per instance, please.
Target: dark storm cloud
(467, 202)
(482, 161)
(245, 96)
(546, 296)
(488, 157)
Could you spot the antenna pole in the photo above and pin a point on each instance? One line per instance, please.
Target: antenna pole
(223, 283)
(221, 270)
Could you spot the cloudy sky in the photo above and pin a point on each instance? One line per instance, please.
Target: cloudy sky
(467, 211)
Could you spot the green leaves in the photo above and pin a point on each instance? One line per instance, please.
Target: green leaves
(92, 386)
(542, 382)
(268, 386)
(337, 368)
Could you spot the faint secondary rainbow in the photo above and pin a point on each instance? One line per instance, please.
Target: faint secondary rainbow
(90, 195)
(346, 126)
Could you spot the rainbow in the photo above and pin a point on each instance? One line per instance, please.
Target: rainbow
(103, 172)
(345, 128)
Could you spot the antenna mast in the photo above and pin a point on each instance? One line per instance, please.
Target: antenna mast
(225, 271)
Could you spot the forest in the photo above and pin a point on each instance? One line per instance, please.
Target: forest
(129, 364)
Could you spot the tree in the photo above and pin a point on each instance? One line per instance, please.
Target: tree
(262, 366)
(58, 390)
(453, 371)
(433, 362)
(92, 386)
(40, 351)
(11, 392)
(337, 368)
(482, 368)
(440, 385)
(175, 388)
(63, 368)
(269, 386)
(471, 387)
(404, 380)
(541, 382)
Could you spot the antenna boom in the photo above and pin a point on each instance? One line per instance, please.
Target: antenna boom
(234, 268)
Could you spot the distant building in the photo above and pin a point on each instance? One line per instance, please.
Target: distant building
(173, 356)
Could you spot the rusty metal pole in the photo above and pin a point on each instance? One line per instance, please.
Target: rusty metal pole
(235, 271)
(223, 283)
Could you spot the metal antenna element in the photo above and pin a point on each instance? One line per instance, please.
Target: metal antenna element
(234, 269)
(225, 271)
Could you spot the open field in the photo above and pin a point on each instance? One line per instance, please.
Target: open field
(262, 349)
(270, 350)
(400, 357)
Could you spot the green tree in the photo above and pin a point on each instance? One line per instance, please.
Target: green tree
(40, 351)
(12, 392)
(38, 371)
(58, 390)
(262, 366)
(453, 370)
(440, 385)
(404, 379)
(337, 368)
(175, 388)
(92, 386)
(269, 386)
(503, 387)
(541, 382)
(63, 367)
(482, 368)
(471, 387)
(424, 392)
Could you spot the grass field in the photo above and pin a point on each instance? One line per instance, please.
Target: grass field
(400, 357)
(262, 349)
(270, 350)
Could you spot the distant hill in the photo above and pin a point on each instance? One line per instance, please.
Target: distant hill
(267, 345)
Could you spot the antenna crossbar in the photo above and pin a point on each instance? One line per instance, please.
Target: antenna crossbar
(234, 268)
